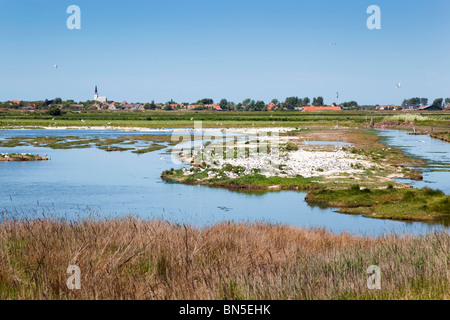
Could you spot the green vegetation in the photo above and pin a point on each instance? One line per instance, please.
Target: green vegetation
(444, 136)
(255, 181)
(113, 149)
(153, 147)
(390, 203)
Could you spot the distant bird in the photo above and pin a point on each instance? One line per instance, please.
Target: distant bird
(55, 66)
(332, 44)
(161, 158)
(337, 95)
(398, 85)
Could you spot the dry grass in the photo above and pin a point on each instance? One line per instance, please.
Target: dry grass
(134, 259)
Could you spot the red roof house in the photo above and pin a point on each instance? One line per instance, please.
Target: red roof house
(316, 109)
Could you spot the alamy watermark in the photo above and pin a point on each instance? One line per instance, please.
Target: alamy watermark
(374, 21)
(74, 20)
(374, 281)
(74, 281)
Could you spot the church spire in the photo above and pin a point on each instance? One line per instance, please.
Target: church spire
(96, 89)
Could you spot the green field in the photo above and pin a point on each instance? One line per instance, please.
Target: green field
(172, 119)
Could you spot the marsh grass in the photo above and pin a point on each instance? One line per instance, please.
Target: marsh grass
(390, 203)
(409, 117)
(153, 147)
(135, 259)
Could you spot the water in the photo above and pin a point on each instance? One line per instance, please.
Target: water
(435, 152)
(116, 184)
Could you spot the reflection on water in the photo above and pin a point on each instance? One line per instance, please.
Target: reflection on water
(117, 184)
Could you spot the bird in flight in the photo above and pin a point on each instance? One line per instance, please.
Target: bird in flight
(55, 66)
(399, 85)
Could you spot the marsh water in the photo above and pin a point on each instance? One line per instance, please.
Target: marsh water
(80, 182)
(434, 152)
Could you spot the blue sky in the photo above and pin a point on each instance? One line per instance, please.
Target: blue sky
(187, 50)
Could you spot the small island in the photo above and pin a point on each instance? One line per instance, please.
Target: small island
(22, 157)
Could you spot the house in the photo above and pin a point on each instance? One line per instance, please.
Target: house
(272, 107)
(447, 107)
(213, 107)
(28, 107)
(430, 107)
(319, 109)
(411, 107)
(195, 106)
(381, 108)
(112, 106)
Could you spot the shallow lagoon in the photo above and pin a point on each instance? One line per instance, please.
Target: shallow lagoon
(78, 182)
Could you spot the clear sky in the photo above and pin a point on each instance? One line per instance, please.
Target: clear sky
(187, 50)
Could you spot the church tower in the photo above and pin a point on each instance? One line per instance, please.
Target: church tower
(95, 94)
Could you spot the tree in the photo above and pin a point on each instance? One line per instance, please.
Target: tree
(414, 101)
(317, 102)
(54, 111)
(447, 101)
(291, 102)
(205, 101)
(57, 100)
(424, 101)
(223, 104)
(275, 102)
(350, 104)
(438, 102)
(260, 105)
(306, 101)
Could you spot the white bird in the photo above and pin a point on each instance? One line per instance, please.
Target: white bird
(399, 85)
(161, 158)
(55, 66)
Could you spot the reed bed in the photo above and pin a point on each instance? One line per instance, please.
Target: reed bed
(136, 259)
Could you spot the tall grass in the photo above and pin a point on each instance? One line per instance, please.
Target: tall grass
(406, 118)
(135, 259)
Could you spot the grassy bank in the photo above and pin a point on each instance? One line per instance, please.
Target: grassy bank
(397, 204)
(133, 259)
